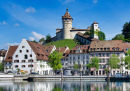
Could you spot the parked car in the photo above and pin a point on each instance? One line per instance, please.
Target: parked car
(9, 72)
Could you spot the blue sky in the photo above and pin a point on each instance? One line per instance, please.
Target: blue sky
(34, 19)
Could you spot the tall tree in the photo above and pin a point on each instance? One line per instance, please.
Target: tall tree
(126, 31)
(1, 67)
(42, 39)
(101, 35)
(55, 60)
(94, 63)
(34, 41)
(127, 59)
(114, 61)
(119, 37)
(48, 38)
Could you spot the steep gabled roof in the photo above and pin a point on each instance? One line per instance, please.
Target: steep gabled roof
(39, 51)
(61, 49)
(10, 53)
(48, 48)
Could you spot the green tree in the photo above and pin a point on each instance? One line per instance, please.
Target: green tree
(94, 63)
(119, 37)
(76, 66)
(1, 67)
(55, 60)
(114, 61)
(127, 59)
(56, 88)
(101, 35)
(126, 31)
(42, 39)
(48, 38)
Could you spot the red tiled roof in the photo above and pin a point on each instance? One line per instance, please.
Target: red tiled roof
(83, 48)
(39, 50)
(10, 53)
(48, 48)
(67, 15)
(61, 49)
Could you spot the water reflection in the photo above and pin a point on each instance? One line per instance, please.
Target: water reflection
(64, 86)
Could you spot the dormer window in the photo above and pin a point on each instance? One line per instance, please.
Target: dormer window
(108, 49)
(104, 49)
(97, 49)
(100, 49)
(117, 49)
(113, 49)
(91, 49)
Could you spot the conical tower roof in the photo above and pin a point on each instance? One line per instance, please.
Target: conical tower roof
(67, 15)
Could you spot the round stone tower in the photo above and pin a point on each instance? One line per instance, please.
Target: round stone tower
(67, 25)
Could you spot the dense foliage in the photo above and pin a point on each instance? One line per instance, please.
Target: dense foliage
(48, 38)
(94, 63)
(55, 60)
(119, 37)
(42, 39)
(114, 61)
(101, 35)
(126, 31)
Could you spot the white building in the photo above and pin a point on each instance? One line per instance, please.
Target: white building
(8, 58)
(31, 57)
(78, 55)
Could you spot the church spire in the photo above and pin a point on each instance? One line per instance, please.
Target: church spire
(67, 9)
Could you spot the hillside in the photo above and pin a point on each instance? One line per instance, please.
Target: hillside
(62, 43)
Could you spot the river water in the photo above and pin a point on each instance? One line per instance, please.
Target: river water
(64, 86)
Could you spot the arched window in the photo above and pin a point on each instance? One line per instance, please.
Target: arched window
(25, 56)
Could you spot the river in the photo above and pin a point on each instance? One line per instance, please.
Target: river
(64, 86)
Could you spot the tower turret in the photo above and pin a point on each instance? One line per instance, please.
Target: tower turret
(95, 30)
(67, 24)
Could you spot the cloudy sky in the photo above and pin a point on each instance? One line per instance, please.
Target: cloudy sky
(34, 19)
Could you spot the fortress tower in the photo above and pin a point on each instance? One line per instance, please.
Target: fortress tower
(67, 25)
(95, 28)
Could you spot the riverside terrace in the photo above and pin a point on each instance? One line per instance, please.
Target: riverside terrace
(32, 57)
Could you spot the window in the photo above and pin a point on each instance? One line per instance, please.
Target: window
(30, 55)
(25, 56)
(107, 54)
(103, 60)
(16, 61)
(20, 51)
(23, 46)
(104, 49)
(100, 49)
(103, 66)
(78, 57)
(91, 49)
(9, 62)
(70, 58)
(108, 49)
(16, 66)
(97, 49)
(23, 61)
(30, 65)
(9, 67)
(107, 60)
(16, 56)
(31, 60)
(73, 58)
(113, 49)
(23, 66)
(103, 55)
(27, 50)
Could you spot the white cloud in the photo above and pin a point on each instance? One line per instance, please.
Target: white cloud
(68, 1)
(3, 23)
(95, 1)
(31, 38)
(30, 10)
(16, 24)
(36, 36)
(6, 46)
